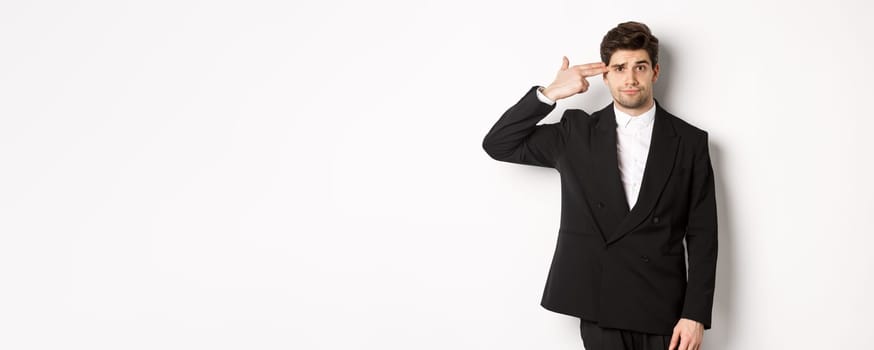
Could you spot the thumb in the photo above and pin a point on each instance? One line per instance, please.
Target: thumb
(564, 63)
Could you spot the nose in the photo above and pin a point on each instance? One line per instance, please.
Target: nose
(631, 78)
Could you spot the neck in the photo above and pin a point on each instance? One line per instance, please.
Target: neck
(634, 111)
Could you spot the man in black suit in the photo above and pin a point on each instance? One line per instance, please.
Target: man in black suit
(636, 183)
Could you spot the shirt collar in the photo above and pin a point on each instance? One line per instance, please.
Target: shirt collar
(624, 120)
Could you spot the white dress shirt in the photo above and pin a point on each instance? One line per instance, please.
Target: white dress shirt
(633, 135)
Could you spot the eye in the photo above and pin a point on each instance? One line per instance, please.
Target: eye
(619, 69)
(641, 68)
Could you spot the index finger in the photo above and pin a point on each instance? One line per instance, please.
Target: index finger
(592, 70)
(590, 65)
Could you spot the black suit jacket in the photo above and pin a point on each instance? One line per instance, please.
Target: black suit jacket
(623, 268)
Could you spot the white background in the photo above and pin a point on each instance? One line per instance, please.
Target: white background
(309, 174)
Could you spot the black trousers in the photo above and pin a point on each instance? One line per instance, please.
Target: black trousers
(598, 338)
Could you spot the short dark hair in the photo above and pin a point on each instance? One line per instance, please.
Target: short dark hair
(630, 36)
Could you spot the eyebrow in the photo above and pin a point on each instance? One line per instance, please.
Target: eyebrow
(623, 64)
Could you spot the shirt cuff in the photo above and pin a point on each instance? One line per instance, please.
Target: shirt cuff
(543, 98)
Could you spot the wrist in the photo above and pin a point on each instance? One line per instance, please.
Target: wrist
(548, 93)
(543, 98)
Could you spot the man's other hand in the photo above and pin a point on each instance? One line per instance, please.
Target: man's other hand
(572, 80)
(689, 333)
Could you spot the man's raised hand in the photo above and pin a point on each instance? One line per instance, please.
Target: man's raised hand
(572, 80)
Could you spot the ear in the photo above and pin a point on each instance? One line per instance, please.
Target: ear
(655, 73)
(604, 75)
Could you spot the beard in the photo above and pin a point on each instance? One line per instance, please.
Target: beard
(632, 102)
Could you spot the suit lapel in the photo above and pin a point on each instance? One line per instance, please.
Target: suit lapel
(605, 166)
(659, 163)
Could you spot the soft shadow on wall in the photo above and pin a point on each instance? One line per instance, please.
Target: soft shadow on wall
(718, 338)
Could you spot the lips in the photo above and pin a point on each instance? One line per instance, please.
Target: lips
(630, 91)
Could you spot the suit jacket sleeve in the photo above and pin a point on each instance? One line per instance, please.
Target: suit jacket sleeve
(701, 239)
(516, 137)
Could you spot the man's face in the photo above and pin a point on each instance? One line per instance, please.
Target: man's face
(630, 79)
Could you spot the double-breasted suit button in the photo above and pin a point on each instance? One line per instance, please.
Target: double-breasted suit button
(655, 220)
(600, 204)
(644, 258)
